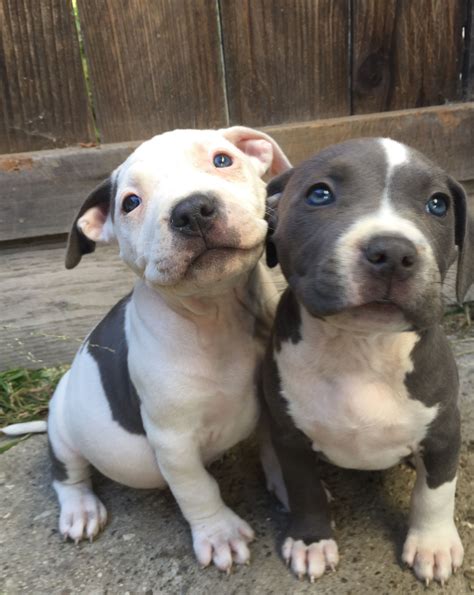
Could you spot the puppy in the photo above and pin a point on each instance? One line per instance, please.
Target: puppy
(166, 382)
(359, 371)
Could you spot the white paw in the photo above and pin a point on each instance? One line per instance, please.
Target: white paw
(433, 554)
(222, 539)
(311, 560)
(82, 514)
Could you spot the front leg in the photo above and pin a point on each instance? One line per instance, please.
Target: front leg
(309, 547)
(433, 547)
(219, 535)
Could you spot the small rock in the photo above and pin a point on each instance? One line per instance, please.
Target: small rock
(128, 536)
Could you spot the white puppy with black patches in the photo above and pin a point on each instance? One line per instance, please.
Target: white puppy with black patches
(166, 382)
(359, 371)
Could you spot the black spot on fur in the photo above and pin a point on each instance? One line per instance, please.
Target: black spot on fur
(108, 346)
(288, 320)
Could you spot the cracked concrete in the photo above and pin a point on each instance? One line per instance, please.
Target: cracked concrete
(146, 547)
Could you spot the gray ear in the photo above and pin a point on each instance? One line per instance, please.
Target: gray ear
(464, 238)
(99, 200)
(274, 191)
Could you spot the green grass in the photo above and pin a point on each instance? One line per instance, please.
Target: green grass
(24, 394)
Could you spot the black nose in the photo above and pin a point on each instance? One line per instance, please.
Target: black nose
(391, 256)
(194, 215)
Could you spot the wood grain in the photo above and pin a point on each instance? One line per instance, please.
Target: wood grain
(469, 54)
(154, 65)
(285, 61)
(444, 134)
(46, 310)
(42, 91)
(45, 189)
(406, 53)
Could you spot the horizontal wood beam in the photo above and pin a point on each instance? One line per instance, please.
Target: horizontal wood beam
(42, 190)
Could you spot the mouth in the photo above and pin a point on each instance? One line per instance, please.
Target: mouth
(382, 307)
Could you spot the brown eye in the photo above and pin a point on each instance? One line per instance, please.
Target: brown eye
(130, 202)
(222, 160)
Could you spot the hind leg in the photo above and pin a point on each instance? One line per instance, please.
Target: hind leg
(82, 514)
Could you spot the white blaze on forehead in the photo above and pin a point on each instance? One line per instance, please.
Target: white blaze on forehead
(396, 155)
(395, 152)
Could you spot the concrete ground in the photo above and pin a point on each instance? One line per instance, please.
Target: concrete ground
(146, 547)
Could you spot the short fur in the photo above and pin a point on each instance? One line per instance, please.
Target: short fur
(165, 383)
(358, 370)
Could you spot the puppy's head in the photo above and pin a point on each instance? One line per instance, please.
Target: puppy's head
(365, 232)
(187, 207)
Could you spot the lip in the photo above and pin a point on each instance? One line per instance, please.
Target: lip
(378, 308)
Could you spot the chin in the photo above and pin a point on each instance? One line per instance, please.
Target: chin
(209, 273)
(370, 318)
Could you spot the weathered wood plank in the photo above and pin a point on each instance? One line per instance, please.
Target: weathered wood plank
(47, 310)
(444, 134)
(469, 54)
(154, 65)
(42, 190)
(45, 189)
(406, 54)
(42, 89)
(285, 61)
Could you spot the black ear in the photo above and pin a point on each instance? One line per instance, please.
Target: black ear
(464, 238)
(97, 204)
(274, 191)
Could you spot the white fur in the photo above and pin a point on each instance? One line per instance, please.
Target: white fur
(432, 547)
(312, 559)
(190, 331)
(31, 427)
(396, 153)
(350, 398)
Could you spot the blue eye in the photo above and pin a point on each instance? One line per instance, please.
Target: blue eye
(438, 205)
(320, 195)
(130, 202)
(222, 160)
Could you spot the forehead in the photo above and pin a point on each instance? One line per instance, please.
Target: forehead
(375, 164)
(178, 143)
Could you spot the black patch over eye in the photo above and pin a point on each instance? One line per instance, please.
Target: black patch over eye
(130, 202)
(222, 160)
(438, 205)
(320, 195)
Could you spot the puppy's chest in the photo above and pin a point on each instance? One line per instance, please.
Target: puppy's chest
(349, 397)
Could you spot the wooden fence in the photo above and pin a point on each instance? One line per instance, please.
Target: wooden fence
(81, 83)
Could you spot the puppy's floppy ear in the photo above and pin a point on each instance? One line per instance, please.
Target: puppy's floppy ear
(264, 152)
(89, 224)
(274, 191)
(464, 238)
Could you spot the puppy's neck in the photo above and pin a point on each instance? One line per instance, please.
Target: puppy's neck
(324, 333)
(212, 306)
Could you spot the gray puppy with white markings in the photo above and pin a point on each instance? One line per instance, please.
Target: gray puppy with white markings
(166, 382)
(359, 371)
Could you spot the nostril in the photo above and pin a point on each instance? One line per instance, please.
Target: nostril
(207, 210)
(408, 261)
(180, 221)
(376, 257)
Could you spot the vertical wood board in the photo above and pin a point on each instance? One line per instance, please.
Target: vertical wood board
(43, 96)
(285, 61)
(155, 65)
(406, 53)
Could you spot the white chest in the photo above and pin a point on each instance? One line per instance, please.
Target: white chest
(348, 395)
(196, 378)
